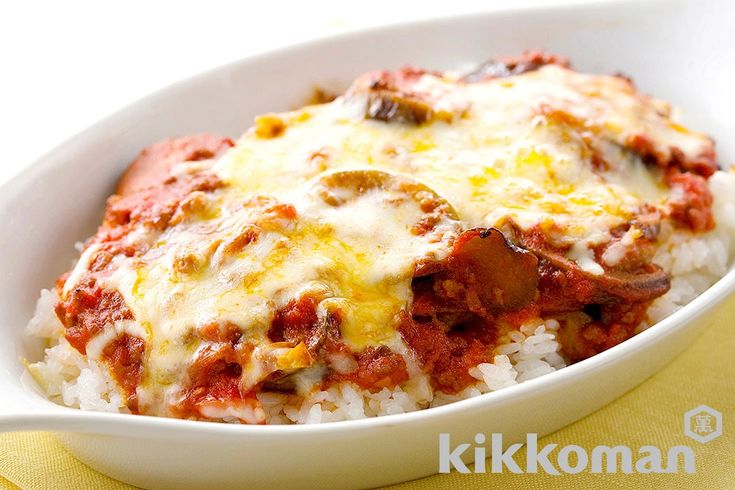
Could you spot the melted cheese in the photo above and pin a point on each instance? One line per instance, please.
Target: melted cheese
(504, 158)
(358, 256)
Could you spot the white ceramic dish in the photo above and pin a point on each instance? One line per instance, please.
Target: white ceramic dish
(679, 51)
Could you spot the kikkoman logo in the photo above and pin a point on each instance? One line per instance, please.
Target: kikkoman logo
(702, 424)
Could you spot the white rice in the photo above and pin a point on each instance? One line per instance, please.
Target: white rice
(695, 262)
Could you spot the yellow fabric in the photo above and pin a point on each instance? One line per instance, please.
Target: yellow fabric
(652, 414)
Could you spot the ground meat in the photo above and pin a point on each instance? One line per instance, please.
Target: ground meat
(124, 357)
(214, 377)
(155, 206)
(582, 336)
(147, 193)
(447, 355)
(88, 309)
(226, 332)
(153, 166)
(691, 204)
(150, 192)
(451, 325)
(704, 164)
(298, 322)
(597, 311)
(377, 368)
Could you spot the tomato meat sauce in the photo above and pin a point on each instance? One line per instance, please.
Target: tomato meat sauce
(147, 193)
(491, 281)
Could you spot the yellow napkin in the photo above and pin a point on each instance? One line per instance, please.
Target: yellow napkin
(652, 414)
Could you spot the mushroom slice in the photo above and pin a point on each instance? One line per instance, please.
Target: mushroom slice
(340, 187)
(437, 216)
(646, 282)
(409, 95)
(645, 285)
(486, 270)
(513, 65)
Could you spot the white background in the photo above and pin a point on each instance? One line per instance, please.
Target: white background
(67, 64)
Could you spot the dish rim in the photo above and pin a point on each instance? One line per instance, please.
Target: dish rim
(49, 415)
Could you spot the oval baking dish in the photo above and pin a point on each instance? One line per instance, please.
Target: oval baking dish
(54, 203)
